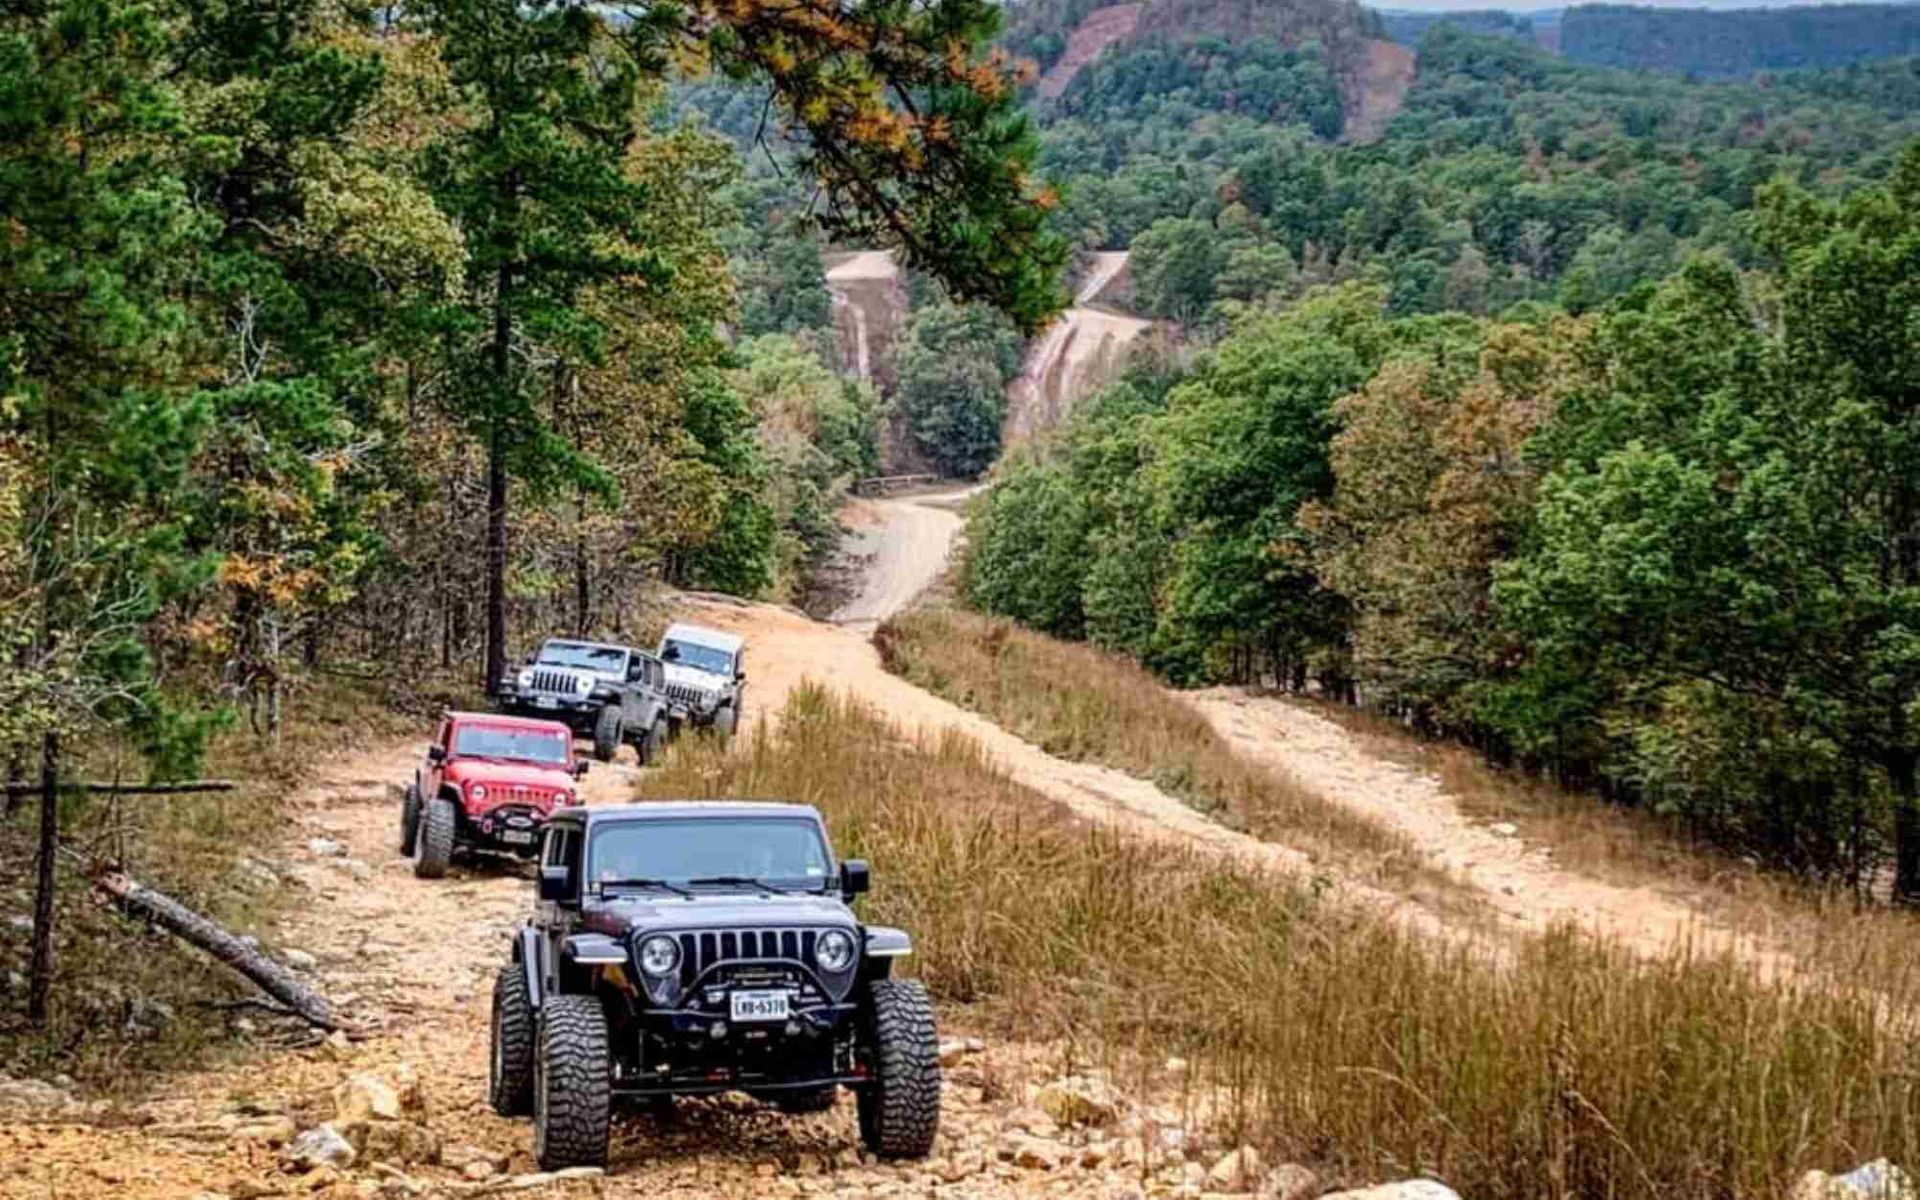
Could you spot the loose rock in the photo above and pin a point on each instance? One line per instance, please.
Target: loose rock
(1877, 1180)
(1407, 1189)
(321, 1146)
(364, 1096)
(1290, 1181)
(1078, 1100)
(299, 960)
(1236, 1171)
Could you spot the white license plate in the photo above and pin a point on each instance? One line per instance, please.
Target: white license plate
(759, 1006)
(545, 702)
(517, 837)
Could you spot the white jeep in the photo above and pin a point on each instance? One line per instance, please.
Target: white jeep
(706, 678)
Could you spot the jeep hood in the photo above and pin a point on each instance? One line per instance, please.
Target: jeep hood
(509, 774)
(638, 912)
(695, 677)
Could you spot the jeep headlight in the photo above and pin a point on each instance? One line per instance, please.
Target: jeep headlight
(524, 680)
(583, 684)
(834, 952)
(659, 956)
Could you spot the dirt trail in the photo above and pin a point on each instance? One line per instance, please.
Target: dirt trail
(1381, 88)
(868, 304)
(905, 540)
(1519, 882)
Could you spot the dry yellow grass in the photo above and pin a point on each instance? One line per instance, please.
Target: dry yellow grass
(1569, 1070)
(1078, 702)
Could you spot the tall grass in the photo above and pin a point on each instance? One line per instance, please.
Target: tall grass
(1567, 1069)
(1078, 702)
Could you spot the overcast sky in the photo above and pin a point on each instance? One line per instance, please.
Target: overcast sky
(1534, 5)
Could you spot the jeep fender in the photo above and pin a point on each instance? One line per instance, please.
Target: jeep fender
(593, 950)
(886, 942)
(530, 951)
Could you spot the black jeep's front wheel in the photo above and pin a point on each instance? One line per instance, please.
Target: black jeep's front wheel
(410, 820)
(433, 846)
(510, 1063)
(606, 734)
(572, 1085)
(900, 1104)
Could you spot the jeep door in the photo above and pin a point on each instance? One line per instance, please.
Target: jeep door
(633, 696)
(433, 772)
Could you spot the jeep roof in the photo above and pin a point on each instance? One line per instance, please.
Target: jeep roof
(729, 642)
(503, 721)
(587, 642)
(653, 810)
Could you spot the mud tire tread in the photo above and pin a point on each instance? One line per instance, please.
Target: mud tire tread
(434, 850)
(572, 1086)
(900, 1106)
(510, 1090)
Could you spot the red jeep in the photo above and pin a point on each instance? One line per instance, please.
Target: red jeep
(489, 783)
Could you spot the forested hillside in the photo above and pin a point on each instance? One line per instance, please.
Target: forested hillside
(357, 340)
(1507, 177)
(1699, 41)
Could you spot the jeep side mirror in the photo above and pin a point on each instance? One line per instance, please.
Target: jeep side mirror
(855, 878)
(579, 768)
(739, 676)
(436, 754)
(556, 882)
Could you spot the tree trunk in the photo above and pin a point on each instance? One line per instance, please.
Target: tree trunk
(1906, 829)
(40, 973)
(581, 601)
(497, 492)
(143, 903)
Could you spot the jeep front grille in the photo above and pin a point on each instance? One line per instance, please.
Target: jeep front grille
(698, 951)
(688, 694)
(564, 682)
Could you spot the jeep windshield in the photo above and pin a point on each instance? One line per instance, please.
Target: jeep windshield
(501, 741)
(603, 660)
(712, 853)
(700, 658)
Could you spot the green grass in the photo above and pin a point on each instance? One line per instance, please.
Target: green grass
(1562, 1068)
(1078, 702)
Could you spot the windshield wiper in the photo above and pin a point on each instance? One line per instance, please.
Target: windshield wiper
(739, 881)
(652, 883)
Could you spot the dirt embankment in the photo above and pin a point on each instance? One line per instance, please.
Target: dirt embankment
(1099, 29)
(1079, 352)
(1374, 97)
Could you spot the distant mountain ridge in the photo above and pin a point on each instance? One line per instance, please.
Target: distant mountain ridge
(1731, 42)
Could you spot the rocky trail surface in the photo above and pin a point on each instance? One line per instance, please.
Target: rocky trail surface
(399, 1109)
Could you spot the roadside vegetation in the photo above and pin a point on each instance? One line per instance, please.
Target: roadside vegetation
(1563, 1068)
(1662, 552)
(1079, 702)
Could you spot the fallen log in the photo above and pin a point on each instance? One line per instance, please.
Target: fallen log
(144, 904)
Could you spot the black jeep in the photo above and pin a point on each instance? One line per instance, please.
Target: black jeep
(689, 948)
(609, 693)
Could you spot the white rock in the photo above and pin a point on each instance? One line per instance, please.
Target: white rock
(954, 1049)
(1290, 1181)
(321, 1146)
(22, 922)
(1406, 1189)
(299, 960)
(1505, 829)
(1877, 1180)
(322, 847)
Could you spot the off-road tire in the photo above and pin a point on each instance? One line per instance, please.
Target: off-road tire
(653, 744)
(606, 734)
(572, 1086)
(409, 820)
(725, 722)
(433, 846)
(510, 1057)
(816, 1100)
(900, 1105)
